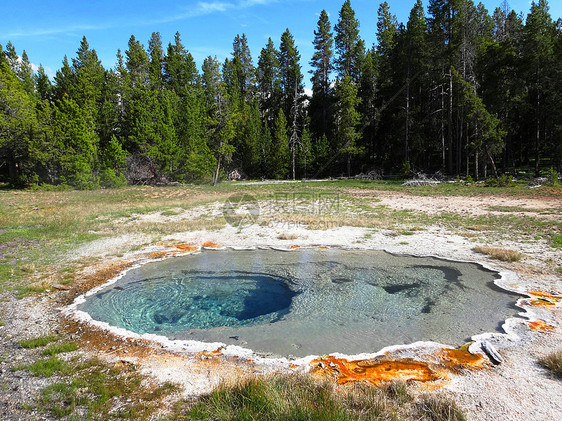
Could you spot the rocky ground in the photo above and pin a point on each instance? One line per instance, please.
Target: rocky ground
(517, 389)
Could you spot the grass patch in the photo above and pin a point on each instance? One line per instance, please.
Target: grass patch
(169, 213)
(98, 391)
(56, 349)
(553, 362)
(299, 397)
(505, 255)
(406, 232)
(38, 342)
(556, 240)
(46, 367)
(30, 290)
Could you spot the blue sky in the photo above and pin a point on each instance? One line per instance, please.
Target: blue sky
(49, 30)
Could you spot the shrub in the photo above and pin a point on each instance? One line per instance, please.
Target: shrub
(503, 180)
(552, 177)
(553, 362)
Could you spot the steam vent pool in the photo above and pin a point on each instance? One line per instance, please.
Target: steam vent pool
(306, 302)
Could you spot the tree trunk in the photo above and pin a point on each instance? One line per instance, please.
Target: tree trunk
(450, 124)
(443, 163)
(406, 139)
(476, 169)
(216, 177)
(537, 147)
(12, 169)
(492, 163)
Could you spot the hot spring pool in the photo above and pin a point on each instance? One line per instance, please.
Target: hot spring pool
(306, 302)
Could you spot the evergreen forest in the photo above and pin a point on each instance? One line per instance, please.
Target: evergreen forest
(455, 89)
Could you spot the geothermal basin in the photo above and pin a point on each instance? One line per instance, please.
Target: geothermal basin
(305, 302)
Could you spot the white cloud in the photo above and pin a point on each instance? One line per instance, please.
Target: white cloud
(206, 8)
(202, 8)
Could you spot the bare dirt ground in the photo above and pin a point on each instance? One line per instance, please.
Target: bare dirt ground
(539, 207)
(517, 389)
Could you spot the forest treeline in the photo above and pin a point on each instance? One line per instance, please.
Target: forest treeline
(455, 90)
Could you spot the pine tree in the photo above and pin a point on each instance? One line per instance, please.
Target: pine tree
(269, 83)
(485, 134)
(63, 80)
(43, 85)
(538, 56)
(18, 126)
(244, 68)
(77, 144)
(349, 46)
(417, 64)
(279, 152)
(347, 119)
(290, 74)
(156, 58)
(137, 63)
(321, 104)
(180, 70)
(390, 80)
(220, 119)
(25, 74)
(368, 96)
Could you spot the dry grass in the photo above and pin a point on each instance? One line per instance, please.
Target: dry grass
(553, 362)
(505, 255)
(287, 236)
(468, 234)
(438, 408)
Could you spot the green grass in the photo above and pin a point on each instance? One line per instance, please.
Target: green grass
(56, 349)
(556, 240)
(169, 213)
(99, 391)
(38, 342)
(46, 367)
(299, 397)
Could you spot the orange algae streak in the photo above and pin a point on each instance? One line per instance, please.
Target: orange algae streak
(294, 247)
(212, 353)
(211, 244)
(173, 250)
(186, 248)
(546, 296)
(541, 302)
(455, 359)
(372, 371)
(541, 326)
(159, 254)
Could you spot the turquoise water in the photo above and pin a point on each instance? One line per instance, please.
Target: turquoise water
(306, 302)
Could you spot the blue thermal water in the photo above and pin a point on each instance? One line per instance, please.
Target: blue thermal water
(306, 302)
